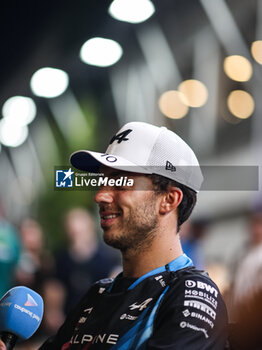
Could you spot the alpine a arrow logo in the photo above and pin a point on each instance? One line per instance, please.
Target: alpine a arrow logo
(141, 306)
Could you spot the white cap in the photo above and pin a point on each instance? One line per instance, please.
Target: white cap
(144, 148)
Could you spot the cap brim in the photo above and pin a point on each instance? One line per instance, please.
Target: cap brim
(91, 161)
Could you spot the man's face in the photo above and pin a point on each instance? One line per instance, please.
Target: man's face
(129, 215)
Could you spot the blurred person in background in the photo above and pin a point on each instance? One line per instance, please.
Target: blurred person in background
(246, 333)
(85, 260)
(253, 237)
(36, 263)
(255, 223)
(36, 269)
(9, 253)
(53, 293)
(254, 229)
(192, 234)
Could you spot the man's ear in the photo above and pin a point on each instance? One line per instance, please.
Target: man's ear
(170, 200)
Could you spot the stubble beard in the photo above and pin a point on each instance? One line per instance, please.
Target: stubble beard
(136, 232)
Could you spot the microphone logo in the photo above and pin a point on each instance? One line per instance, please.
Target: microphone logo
(30, 301)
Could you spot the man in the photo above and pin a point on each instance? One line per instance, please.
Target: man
(160, 301)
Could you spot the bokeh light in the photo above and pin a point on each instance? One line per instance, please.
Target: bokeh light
(238, 68)
(12, 135)
(49, 82)
(100, 52)
(241, 104)
(171, 104)
(19, 110)
(195, 92)
(256, 51)
(132, 11)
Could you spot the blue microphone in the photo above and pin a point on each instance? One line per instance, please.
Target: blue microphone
(21, 312)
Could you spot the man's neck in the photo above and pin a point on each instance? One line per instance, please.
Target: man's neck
(161, 252)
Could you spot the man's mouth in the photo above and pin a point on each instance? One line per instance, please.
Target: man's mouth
(108, 218)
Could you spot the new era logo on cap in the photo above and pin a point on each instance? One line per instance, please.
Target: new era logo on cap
(144, 148)
(170, 166)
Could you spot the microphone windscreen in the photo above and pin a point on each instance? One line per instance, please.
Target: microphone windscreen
(21, 312)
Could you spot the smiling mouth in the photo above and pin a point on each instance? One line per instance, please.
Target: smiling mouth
(110, 216)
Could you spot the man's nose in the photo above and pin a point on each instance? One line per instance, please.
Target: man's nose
(104, 195)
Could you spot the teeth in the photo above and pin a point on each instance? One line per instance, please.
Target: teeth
(109, 216)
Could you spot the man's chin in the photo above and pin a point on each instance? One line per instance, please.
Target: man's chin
(113, 242)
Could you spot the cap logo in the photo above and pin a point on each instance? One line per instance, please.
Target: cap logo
(121, 136)
(170, 166)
